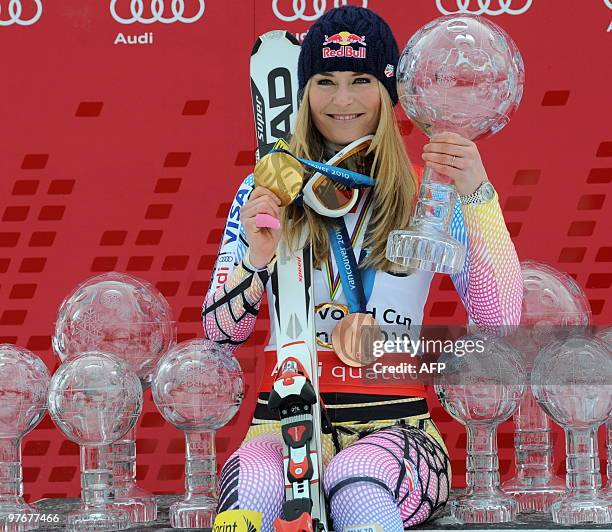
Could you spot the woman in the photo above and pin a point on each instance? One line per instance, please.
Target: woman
(386, 463)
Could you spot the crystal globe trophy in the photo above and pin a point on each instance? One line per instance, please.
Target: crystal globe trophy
(24, 380)
(481, 390)
(572, 381)
(606, 336)
(198, 388)
(460, 74)
(94, 399)
(553, 306)
(127, 317)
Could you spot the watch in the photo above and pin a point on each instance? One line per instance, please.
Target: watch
(483, 194)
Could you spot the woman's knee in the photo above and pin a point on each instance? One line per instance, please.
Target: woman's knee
(403, 462)
(253, 479)
(357, 495)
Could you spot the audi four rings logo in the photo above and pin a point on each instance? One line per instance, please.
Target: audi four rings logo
(15, 10)
(608, 3)
(483, 7)
(301, 11)
(157, 9)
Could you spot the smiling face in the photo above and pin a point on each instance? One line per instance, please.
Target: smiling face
(344, 106)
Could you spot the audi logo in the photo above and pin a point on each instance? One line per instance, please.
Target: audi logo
(483, 7)
(300, 11)
(15, 9)
(608, 3)
(157, 9)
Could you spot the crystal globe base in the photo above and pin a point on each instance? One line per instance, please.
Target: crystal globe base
(198, 388)
(138, 503)
(427, 244)
(426, 249)
(90, 519)
(495, 507)
(17, 508)
(193, 512)
(609, 450)
(535, 498)
(535, 486)
(575, 510)
(571, 381)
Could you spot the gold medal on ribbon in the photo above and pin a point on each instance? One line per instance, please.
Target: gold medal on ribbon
(280, 173)
(330, 307)
(353, 339)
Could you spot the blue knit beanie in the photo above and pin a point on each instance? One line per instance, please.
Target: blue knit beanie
(350, 38)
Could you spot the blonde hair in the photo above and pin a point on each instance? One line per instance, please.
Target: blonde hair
(394, 189)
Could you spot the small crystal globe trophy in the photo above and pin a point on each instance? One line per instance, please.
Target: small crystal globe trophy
(553, 306)
(572, 381)
(606, 336)
(24, 380)
(94, 399)
(460, 74)
(127, 317)
(481, 390)
(198, 388)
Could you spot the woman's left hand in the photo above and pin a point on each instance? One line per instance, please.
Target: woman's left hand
(456, 157)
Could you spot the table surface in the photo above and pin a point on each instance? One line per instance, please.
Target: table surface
(535, 521)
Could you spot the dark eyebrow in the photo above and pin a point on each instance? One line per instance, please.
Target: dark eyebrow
(330, 75)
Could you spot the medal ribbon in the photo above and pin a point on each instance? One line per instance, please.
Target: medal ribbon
(357, 283)
(357, 239)
(345, 177)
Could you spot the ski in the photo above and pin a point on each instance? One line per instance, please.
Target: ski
(295, 394)
(274, 87)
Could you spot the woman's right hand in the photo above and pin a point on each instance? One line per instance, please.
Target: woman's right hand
(262, 240)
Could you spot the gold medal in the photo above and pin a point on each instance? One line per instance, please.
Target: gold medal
(353, 339)
(280, 173)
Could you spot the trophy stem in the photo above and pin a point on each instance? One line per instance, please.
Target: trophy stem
(609, 446)
(96, 511)
(484, 501)
(582, 462)
(198, 508)
(200, 465)
(140, 504)
(427, 244)
(436, 202)
(482, 462)
(11, 488)
(584, 502)
(11, 484)
(124, 460)
(534, 451)
(96, 476)
(535, 486)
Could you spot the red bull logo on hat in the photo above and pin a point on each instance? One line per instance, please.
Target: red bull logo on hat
(345, 39)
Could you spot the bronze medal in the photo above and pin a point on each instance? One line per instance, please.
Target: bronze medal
(280, 173)
(353, 339)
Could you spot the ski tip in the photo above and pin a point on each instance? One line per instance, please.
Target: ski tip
(274, 35)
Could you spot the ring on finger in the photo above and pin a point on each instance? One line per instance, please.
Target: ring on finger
(452, 163)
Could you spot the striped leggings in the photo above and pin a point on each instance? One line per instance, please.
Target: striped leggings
(392, 473)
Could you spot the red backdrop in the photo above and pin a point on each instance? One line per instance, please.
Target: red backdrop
(125, 157)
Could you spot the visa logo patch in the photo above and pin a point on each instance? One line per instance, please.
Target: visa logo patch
(232, 227)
